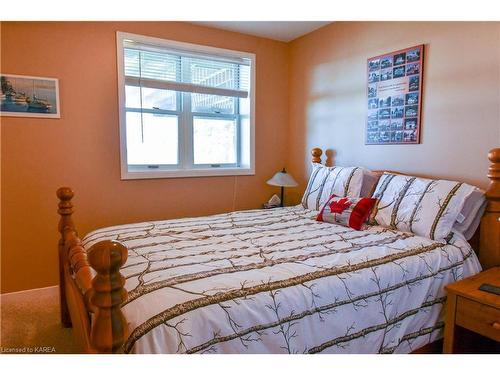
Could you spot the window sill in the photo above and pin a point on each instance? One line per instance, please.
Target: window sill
(140, 175)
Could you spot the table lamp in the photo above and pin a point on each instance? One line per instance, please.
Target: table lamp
(283, 180)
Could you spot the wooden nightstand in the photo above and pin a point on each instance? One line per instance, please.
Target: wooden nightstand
(471, 308)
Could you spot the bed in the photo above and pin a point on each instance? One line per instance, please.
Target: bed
(262, 281)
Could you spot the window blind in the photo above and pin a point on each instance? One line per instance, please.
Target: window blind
(170, 69)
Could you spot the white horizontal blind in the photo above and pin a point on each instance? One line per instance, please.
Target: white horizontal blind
(170, 69)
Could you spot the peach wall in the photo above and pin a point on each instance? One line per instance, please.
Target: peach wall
(461, 97)
(324, 75)
(81, 149)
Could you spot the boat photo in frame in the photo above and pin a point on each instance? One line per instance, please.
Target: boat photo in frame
(26, 96)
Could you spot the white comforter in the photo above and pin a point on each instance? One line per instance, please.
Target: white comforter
(277, 281)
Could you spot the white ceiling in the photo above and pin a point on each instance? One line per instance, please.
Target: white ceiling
(284, 31)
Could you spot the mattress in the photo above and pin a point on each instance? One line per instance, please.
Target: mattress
(278, 281)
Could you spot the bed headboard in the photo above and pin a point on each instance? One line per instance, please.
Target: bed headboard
(489, 230)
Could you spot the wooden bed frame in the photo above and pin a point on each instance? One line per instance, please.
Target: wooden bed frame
(82, 294)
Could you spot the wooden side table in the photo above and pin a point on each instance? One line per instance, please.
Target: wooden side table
(471, 308)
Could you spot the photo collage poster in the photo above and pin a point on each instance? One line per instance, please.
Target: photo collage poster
(394, 97)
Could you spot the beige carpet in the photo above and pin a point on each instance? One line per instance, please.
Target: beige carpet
(30, 323)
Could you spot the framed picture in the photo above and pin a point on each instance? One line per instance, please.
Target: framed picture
(394, 97)
(25, 96)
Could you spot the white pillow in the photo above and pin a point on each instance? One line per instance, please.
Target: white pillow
(325, 181)
(425, 207)
(469, 218)
(370, 179)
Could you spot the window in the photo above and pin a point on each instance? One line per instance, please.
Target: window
(185, 110)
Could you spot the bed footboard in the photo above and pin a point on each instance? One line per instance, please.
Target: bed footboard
(92, 305)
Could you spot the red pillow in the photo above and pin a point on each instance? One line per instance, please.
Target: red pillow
(349, 212)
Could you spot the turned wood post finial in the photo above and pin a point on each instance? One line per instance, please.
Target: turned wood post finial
(329, 157)
(109, 328)
(65, 194)
(316, 155)
(65, 210)
(494, 174)
(489, 246)
(494, 155)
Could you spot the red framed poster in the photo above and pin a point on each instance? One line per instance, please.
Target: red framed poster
(394, 97)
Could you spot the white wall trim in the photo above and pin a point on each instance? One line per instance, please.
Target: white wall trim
(29, 290)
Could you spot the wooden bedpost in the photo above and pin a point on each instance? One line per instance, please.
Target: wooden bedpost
(489, 245)
(109, 328)
(329, 158)
(316, 155)
(65, 195)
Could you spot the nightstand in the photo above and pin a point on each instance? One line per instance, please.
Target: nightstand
(472, 309)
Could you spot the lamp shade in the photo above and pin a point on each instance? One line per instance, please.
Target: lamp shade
(282, 179)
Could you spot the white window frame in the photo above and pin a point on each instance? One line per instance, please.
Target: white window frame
(126, 174)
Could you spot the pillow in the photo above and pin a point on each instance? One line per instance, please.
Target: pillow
(346, 211)
(469, 218)
(425, 207)
(370, 180)
(325, 181)
(470, 230)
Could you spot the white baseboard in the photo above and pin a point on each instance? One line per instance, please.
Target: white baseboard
(29, 290)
